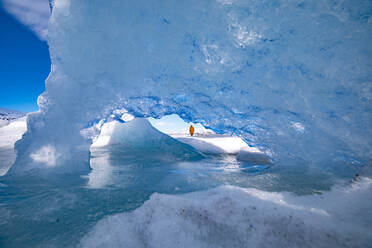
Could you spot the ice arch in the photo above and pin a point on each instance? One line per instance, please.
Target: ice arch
(290, 76)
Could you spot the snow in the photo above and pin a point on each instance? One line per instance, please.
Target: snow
(138, 135)
(230, 216)
(215, 144)
(9, 134)
(6, 116)
(222, 144)
(291, 78)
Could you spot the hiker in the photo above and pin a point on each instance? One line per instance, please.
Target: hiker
(191, 130)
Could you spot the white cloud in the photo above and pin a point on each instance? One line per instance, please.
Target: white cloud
(32, 13)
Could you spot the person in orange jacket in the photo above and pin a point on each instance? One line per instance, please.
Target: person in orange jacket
(191, 130)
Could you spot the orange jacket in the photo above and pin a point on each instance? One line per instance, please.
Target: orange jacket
(191, 130)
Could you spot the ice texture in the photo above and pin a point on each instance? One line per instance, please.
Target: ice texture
(293, 78)
(230, 216)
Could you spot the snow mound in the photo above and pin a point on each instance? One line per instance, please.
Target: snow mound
(235, 217)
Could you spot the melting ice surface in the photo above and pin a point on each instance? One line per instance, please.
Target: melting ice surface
(291, 78)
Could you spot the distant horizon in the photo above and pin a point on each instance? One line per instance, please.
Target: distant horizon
(24, 108)
(13, 110)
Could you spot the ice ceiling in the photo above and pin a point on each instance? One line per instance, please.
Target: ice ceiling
(292, 77)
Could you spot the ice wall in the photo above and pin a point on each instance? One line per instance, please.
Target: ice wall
(292, 77)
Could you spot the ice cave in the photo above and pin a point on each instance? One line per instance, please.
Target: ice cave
(290, 79)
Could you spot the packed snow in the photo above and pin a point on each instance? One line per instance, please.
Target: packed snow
(236, 217)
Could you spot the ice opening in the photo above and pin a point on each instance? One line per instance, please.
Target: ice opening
(235, 67)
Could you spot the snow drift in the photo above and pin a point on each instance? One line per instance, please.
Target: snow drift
(230, 216)
(292, 78)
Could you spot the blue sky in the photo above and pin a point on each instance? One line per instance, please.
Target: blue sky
(174, 124)
(24, 63)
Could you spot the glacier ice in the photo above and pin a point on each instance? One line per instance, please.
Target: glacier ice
(293, 78)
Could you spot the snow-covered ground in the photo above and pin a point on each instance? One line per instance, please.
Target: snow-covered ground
(9, 134)
(6, 116)
(214, 143)
(230, 216)
(224, 144)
